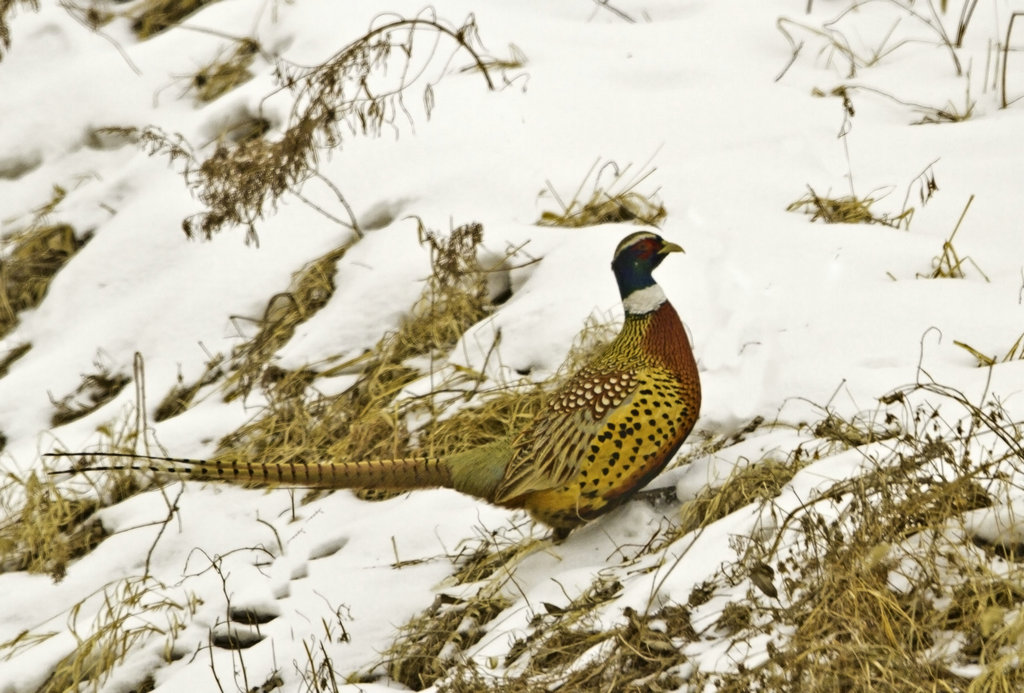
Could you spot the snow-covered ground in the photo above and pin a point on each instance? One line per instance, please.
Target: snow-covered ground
(786, 316)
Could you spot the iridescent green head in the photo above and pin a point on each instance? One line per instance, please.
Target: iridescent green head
(634, 261)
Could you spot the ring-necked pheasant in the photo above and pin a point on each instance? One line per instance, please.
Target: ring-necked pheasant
(604, 435)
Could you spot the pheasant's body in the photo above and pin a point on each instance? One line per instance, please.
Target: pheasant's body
(611, 428)
(604, 435)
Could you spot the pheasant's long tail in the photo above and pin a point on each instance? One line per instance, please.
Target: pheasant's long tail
(409, 473)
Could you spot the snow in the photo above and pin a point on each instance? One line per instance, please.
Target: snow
(785, 315)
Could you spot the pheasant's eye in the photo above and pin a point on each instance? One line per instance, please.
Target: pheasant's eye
(646, 248)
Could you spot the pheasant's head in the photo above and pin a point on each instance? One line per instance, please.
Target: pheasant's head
(634, 261)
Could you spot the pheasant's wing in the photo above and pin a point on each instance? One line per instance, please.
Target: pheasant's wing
(551, 451)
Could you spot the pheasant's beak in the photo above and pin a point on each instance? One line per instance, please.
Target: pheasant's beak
(670, 248)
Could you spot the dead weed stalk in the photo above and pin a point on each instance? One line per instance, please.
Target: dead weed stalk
(225, 73)
(612, 198)
(47, 524)
(876, 581)
(368, 420)
(949, 264)
(6, 10)
(835, 35)
(1014, 353)
(358, 91)
(848, 209)
(132, 612)
(29, 260)
(154, 16)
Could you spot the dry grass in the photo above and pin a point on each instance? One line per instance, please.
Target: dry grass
(181, 396)
(132, 612)
(455, 296)
(836, 42)
(949, 264)
(95, 390)
(848, 209)
(875, 583)
(855, 209)
(364, 421)
(154, 16)
(12, 355)
(606, 195)
(1014, 353)
(433, 642)
(568, 649)
(47, 529)
(360, 90)
(29, 259)
(6, 10)
(224, 74)
(45, 525)
(756, 483)
(311, 288)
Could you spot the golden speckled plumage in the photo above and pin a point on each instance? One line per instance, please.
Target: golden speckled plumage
(606, 433)
(611, 428)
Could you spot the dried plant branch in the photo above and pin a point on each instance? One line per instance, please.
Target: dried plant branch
(6, 9)
(358, 91)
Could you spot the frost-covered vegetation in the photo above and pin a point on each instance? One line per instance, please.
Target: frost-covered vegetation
(397, 228)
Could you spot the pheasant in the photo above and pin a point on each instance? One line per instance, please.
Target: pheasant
(605, 434)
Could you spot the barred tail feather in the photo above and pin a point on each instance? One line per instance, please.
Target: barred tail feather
(409, 473)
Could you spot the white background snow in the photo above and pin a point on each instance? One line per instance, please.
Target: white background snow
(782, 311)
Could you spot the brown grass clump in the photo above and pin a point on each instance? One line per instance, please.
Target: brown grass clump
(848, 209)
(758, 482)
(878, 586)
(365, 421)
(223, 75)
(359, 90)
(12, 355)
(854, 209)
(48, 529)
(432, 642)
(180, 397)
(1014, 353)
(455, 296)
(566, 647)
(6, 10)
(95, 390)
(29, 260)
(616, 201)
(949, 264)
(569, 650)
(311, 288)
(134, 611)
(45, 525)
(483, 558)
(153, 16)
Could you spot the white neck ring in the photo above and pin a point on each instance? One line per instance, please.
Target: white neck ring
(644, 301)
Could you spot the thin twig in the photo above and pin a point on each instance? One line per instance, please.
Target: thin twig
(1006, 54)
